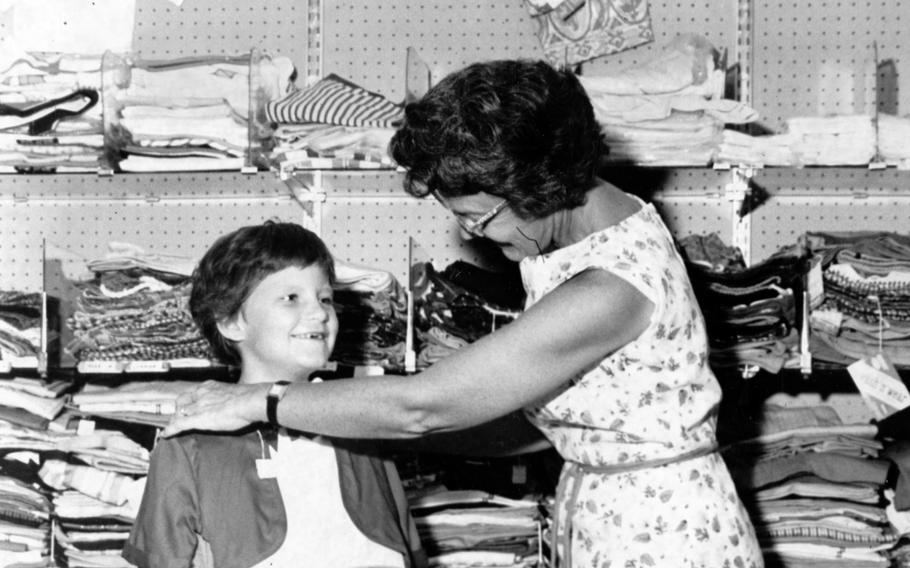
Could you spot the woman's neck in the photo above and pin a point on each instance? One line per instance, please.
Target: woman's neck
(605, 206)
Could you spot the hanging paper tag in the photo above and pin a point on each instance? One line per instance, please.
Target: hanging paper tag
(828, 321)
(85, 427)
(266, 469)
(880, 386)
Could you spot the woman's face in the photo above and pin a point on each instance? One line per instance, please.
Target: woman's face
(498, 223)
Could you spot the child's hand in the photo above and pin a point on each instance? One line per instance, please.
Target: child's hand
(220, 407)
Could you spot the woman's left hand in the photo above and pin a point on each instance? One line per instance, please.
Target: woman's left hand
(219, 407)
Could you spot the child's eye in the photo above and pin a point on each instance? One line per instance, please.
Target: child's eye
(328, 300)
(290, 298)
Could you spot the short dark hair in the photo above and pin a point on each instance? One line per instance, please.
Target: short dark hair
(237, 262)
(518, 129)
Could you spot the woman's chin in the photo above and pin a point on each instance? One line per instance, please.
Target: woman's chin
(512, 253)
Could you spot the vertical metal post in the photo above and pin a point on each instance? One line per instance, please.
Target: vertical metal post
(744, 51)
(314, 52)
(306, 188)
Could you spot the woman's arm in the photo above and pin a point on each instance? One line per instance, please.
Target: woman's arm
(564, 334)
(509, 435)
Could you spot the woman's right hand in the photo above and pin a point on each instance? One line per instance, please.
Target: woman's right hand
(219, 407)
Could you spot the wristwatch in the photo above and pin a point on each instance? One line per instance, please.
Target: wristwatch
(275, 394)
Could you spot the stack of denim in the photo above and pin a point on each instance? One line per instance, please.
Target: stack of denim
(815, 489)
(750, 312)
(866, 305)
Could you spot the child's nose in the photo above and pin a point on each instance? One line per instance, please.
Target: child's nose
(314, 311)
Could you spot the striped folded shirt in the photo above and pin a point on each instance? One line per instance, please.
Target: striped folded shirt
(333, 100)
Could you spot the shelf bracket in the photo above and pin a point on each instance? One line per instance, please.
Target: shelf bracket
(307, 191)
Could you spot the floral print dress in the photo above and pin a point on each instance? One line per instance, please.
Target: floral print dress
(642, 485)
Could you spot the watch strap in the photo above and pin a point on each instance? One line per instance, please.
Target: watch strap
(275, 394)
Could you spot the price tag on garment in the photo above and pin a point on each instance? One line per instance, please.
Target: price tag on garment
(828, 321)
(85, 427)
(147, 367)
(189, 363)
(880, 386)
(266, 469)
(89, 367)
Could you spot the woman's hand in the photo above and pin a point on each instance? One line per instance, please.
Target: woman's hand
(219, 407)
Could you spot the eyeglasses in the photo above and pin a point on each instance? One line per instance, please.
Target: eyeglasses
(475, 227)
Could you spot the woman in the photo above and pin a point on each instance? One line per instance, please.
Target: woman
(609, 360)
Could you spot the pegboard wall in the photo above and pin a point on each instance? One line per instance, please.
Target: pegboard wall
(816, 57)
(690, 200)
(827, 200)
(201, 27)
(180, 214)
(374, 231)
(367, 218)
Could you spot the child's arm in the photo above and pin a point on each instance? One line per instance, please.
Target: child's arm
(166, 527)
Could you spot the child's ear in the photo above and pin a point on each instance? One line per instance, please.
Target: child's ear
(232, 328)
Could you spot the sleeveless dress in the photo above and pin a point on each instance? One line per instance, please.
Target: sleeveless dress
(642, 484)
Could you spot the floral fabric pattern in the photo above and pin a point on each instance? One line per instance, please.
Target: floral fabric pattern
(653, 400)
(573, 31)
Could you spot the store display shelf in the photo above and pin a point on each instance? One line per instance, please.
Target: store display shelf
(133, 367)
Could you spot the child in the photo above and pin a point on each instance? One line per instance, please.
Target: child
(262, 296)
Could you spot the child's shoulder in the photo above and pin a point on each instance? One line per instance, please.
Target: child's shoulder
(207, 444)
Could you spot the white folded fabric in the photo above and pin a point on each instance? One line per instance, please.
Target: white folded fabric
(352, 276)
(41, 406)
(894, 137)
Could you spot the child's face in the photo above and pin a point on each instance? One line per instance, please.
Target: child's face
(286, 328)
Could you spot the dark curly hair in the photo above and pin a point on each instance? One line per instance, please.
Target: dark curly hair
(517, 129)
(237, 262)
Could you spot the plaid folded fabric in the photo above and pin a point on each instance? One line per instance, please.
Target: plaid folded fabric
(339, 159)
(334, 100)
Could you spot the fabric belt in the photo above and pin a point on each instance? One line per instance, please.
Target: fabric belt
(574, 471)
